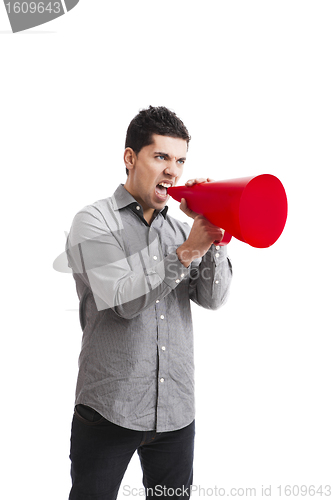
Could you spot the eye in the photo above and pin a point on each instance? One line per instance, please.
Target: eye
(160, 156)
(181, 162)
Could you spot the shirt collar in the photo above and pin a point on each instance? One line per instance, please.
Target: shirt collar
(122, 198)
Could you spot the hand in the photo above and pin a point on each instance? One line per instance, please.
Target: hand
(203, 234)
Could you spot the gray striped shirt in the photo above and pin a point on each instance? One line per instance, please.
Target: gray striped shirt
(136, 362)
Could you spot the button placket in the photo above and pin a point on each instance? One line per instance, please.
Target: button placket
(163, 358)
(154, 246)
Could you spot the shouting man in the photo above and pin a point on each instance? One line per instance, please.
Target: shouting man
(136, 271)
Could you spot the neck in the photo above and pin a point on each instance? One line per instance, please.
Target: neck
(148, 212)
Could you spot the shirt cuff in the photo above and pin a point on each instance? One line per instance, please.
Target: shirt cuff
(217, 254)
(171, 270)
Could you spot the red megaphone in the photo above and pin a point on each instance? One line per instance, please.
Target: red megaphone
(253, 209)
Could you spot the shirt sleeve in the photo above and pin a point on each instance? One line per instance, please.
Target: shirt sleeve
(117, 281)
(211, 278)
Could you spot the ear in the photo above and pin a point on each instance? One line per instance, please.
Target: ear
(129, 158)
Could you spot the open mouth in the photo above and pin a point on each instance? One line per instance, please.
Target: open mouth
(162, 189)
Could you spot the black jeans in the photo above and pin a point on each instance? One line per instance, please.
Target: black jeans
(101, 451)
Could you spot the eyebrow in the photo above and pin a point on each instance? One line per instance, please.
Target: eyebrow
(168, 156)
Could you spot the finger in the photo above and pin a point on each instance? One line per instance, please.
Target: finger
(184, 208)
(220, 236)
(198, 180)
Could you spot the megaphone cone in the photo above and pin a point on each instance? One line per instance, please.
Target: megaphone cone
(253, 209)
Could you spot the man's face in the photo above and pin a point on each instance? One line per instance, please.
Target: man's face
(160, 162)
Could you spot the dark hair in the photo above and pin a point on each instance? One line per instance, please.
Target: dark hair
(154, 120)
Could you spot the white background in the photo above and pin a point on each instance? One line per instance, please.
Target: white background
(253, 81)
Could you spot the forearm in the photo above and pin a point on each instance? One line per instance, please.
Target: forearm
(127, 283)
(144, 288)
(128, 288)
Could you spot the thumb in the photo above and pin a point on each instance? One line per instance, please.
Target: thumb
(184, 208)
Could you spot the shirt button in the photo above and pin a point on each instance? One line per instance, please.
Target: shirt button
(157, 301)
(182, 275)
(155, 257)
(217, 254)
(217, 248)
(162, 380)
(162, 316)
(177, 281)
(137, 207)
(216, 281)
(163, 347)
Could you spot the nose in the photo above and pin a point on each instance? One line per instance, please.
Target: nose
(172, 169)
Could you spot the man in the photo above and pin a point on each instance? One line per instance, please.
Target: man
(136, 270)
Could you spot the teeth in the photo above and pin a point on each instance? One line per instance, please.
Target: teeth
(165, 184)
